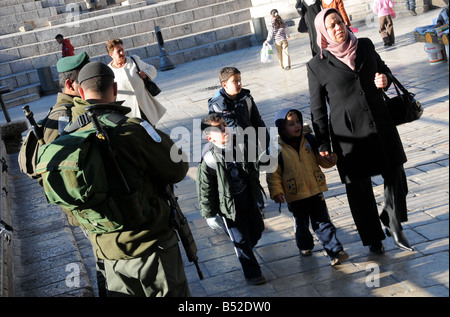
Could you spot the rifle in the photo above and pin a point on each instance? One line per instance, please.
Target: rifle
(181, 225)
(37, 130)
(103, 136)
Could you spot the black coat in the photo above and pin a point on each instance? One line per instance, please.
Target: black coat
(359, 125)
(309, 14)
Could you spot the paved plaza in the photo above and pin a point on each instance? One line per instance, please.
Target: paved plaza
(45, 245)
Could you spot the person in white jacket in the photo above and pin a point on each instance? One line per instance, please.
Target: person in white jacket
(384, 10)
(130, 84)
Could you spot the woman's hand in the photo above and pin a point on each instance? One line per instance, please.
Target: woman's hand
(142, 74)
(331, 158)
(380, 80)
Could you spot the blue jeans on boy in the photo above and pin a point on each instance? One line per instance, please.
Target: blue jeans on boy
(245, 232)
(314, 209)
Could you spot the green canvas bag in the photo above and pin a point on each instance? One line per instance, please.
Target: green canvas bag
(76, 176)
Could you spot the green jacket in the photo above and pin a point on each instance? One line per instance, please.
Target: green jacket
(213, 188)
(51, 131)
(148, 168)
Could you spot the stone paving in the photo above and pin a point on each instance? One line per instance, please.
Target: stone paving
(45, 245)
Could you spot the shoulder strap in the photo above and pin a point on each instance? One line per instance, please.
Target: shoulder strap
(312, 141)
(280, 160)
(67, 107)
(209, 160)
(249, 105)
(137, 67)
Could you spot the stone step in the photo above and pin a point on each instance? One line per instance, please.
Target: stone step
(26, 58)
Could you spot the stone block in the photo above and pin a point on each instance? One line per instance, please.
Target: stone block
(26, 27)
(144, 40)
(183, 17)
(241, 29)
(123, 31)
(166, 9)
(164, 22)
(5, 69)
(44, 60)
(96, 49)
(224, 34)
(180, 30)
(152, 50)
(221, 21)
(204, 38)
(202, 13)
(130, 17)
(9, 55)
(80, 40)
(201, 26)
(149, 13)
(28, 51)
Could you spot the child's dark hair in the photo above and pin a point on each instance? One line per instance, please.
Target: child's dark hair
(206, 122)
(59, 36)
(278, 22)
(226, 72)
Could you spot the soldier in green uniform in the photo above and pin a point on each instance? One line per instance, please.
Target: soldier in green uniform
(59, 115)
(144, 260)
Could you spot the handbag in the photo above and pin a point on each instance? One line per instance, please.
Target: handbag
(404, 107)
(302, 27)
(151, 87)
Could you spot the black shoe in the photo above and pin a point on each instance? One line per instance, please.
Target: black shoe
(377, 248)
(413, 12)
(399, 239)
(259, 280)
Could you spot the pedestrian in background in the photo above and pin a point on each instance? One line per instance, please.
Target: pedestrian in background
(349, 115)
(338, 5)
(383, 9)
(279, 32)
(130, 84)
(411, 6)
(310, 8)
(67, 48)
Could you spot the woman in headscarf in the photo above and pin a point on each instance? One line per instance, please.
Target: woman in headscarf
(349, 75)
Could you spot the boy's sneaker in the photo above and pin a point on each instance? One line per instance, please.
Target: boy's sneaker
(339, 258)
(259, 280)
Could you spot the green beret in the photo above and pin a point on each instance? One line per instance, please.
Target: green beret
(94, 69)
(69, 63)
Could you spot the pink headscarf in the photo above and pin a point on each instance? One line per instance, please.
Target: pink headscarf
(345, 51)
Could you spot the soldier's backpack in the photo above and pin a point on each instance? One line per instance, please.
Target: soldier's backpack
(76, 174)
(28, 152)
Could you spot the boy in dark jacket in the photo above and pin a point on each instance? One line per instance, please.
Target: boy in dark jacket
(228, 189)
(239, 110)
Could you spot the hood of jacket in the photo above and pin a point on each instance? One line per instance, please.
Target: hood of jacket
(280, 119)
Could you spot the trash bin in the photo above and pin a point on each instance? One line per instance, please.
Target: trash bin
(259, 24)
(48, 85)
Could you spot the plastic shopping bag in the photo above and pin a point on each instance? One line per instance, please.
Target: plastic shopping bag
(266, 53)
